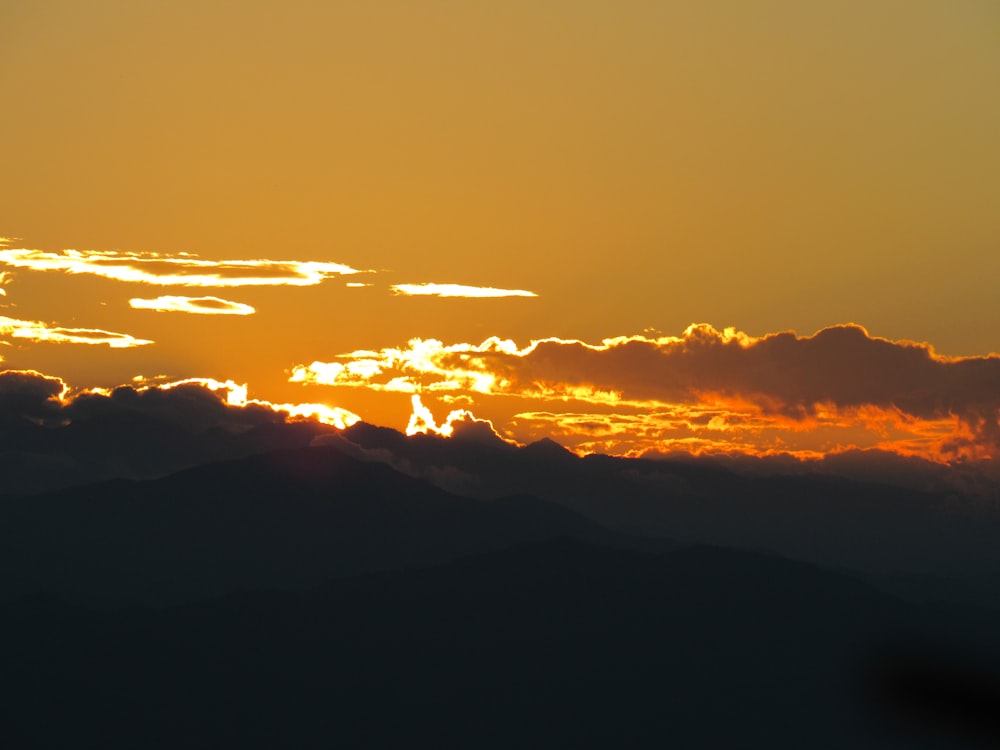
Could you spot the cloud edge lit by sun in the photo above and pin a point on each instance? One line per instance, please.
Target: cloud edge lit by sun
(192, 305)
(457, 290)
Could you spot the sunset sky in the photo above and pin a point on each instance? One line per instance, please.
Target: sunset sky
(628, 226)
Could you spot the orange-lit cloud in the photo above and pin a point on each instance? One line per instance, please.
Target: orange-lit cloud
(425, 365)
(236, 395)
(176, 270)
(196, 305)
(840, 387)
(740, 429)
(33, 330)
(457, 290)
(422, 421)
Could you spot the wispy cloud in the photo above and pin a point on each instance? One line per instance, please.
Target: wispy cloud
(841, 386)
(176, 270)
(189, 270)
(33, 330)
(196, 305)
(457, 290)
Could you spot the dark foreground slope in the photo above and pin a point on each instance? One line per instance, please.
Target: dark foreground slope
(302, 598)
(281, 520)
(556, 644)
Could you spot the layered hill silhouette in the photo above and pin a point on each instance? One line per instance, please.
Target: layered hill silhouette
(131, 444)
(176, 572)
(553, 644)
(936, 539)
(924, 537)
(284, 519)
(337, 594)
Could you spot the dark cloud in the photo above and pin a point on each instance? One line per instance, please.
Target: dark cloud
(191, 405)
(25, 394)
(50, 438)
(842, 365)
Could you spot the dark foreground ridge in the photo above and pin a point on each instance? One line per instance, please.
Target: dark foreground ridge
(303, 598)
(553, 644)
(281, 520)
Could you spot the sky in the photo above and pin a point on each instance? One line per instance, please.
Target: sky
(592, 221)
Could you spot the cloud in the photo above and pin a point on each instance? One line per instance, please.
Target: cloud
(733, 429)
(33, 330)
(52, 436)
(197, 305)
(458, 421)
(425, 365)
(232, 395)
(186, 269)
(840, 380)
(182, 269)
(457, 290)
(28, 394)
(196, 403)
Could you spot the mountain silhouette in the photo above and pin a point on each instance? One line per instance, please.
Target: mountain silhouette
(336, 594)
(552, 644)
(893, 532)
(284, 519)
(937, 543)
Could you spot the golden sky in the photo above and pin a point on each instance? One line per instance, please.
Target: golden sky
(265, 192)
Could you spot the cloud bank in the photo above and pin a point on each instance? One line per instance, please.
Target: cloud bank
(710, 386)
(53, 436)
(195, 402)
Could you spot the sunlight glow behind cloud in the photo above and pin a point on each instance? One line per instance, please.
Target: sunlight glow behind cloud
(198, 401)
(839, 389)
(236, 394)
(422, 420)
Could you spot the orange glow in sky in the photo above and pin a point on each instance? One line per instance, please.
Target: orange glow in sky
(597, 176)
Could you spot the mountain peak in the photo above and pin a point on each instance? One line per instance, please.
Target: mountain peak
(547, 447)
